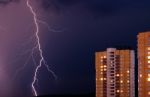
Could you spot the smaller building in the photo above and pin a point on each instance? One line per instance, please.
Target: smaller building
(115, 73)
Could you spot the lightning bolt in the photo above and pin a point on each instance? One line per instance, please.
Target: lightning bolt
(42, 61)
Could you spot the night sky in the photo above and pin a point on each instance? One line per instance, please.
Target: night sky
(79, 29)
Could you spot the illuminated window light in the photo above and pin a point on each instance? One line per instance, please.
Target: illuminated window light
(148, 75)
(148, 53)
(148, 93)
(148, 79)
(104, 56)
(128, 81)
(111, 81)
(121, 91)
(148, 57)
(127, 71)
(148, 61)
(121, 81)
(140, 75)
(104, 69)
(101, 66)
(117, 75)
(105, 66)
(148, 48)
(104, 78)
(111, 62)
(101, 79)
(118, 91)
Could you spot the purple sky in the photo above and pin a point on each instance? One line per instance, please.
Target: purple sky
(16, 38)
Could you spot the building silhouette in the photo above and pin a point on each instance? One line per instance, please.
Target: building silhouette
(115, 73)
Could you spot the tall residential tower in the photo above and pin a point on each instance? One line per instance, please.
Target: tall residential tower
(115, 73)
(144, 64)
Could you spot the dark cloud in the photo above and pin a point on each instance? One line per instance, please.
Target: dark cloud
(94, 6)
(69, 2)
(100, 7)
(5, 2)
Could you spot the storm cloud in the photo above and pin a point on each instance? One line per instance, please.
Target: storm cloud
(5, 2)
(99, 7)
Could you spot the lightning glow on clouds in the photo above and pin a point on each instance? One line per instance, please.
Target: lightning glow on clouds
(35, 52)
(42, 61)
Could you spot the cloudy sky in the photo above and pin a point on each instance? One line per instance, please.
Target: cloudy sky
(77, 29)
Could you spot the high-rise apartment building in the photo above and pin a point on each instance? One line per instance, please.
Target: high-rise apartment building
(144, 64)
(115, 73)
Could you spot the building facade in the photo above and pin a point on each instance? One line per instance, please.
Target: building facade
(115, 73)
(144, 64)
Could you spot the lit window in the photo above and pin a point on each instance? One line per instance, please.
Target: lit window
(128, 81)
(117, 75)
(148, 75)
(127, 71)
(121, 91)
(104, 56)
(148, 79)
(105, 66)
(148, 61)
(118, 91)
(101, 66)
(148, 48)
(148, 93)
(140, 75)
(104, 78)
(121, 81)
(101, 79)
(148, 53)
(104, 69)
(148, 57)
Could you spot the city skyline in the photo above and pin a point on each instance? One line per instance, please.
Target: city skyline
(105, 59)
